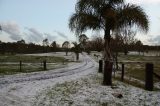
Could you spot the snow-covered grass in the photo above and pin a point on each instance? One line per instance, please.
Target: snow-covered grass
(71, 56)
(89, 91)
(30, 58)
(134, 65)
(10, 64)
(20, 89)
(78, 84)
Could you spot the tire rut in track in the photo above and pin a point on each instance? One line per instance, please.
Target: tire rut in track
(53, 75)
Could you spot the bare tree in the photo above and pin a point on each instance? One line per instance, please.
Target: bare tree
(125, 37)
(97, 43)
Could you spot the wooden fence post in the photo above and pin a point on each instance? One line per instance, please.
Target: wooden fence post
(44, 65)
(100, 66)
(116, 58)
(107, 78)
(149, 77)
(20, 65)
(122, 75)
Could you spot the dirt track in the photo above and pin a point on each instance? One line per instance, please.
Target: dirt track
(20, 89)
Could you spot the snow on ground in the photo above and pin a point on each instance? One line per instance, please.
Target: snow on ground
(88, 91)
(79, 84)
(70, 55)
(149, 53)
(20, 89)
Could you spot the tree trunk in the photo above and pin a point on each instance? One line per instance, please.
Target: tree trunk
(77, 56)
(116, 60)
(66, 53)
(107, 51)
(107, 79)
(125, 50)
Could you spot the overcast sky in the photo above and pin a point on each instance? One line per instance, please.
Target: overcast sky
(35, 20)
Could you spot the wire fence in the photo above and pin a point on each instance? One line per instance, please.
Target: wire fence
(144, 73)
(24, 67)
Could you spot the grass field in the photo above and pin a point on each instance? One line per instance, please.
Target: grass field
(32, 59)
(136, 68)
(10, 64)
(138, 58)
(135, 65)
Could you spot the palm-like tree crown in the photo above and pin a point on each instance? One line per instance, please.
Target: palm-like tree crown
(66, 44)
(83, 38)
(77, 47)
(107, 15)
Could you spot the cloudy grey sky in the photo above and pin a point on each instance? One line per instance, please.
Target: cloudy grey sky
(35, 20)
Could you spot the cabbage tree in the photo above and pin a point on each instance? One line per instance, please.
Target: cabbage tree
(109, 16)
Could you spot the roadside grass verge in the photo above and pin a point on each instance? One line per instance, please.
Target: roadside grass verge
(89, 91)
(65, 94)
(135, 83)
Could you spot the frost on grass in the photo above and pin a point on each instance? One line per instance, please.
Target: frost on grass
(89, 91)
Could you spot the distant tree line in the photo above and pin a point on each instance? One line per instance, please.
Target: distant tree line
(22, 47)
(118, 44)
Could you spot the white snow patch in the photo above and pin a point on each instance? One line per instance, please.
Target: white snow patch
(88, 91)
(20, 89)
